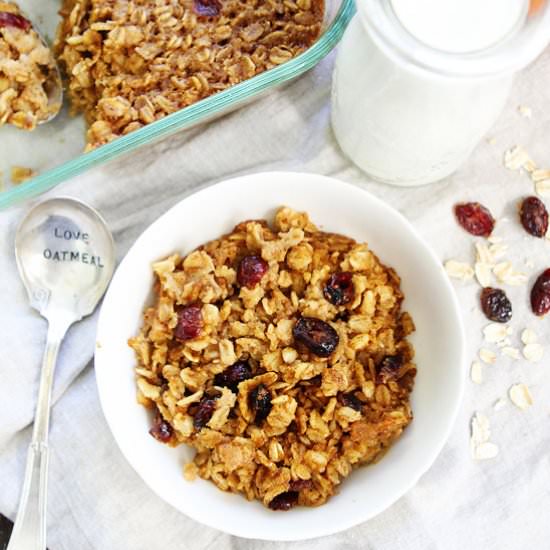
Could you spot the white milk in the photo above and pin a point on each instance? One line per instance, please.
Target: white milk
(459, 25)
(409, 126)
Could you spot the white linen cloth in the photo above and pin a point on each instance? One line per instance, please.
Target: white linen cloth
(96, 501)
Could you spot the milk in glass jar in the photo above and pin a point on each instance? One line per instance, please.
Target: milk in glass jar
(418, 83)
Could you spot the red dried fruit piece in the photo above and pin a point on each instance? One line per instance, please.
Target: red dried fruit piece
(260, 402)
(189, 323)
(475, 218)
(319, 337)
(207, 8)
(161, 430)
(339, 288)
(232, 376)
(300, 485)
(534, 216)
(204, 412)
(495, 305)
(8, 19)
(540, 294)
(388, 369)
(251, 270)
(349, 400)
(284, 501)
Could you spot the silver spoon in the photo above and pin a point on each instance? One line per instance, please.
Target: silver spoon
(65, 255)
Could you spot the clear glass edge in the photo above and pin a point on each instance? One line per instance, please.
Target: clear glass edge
(188, 116)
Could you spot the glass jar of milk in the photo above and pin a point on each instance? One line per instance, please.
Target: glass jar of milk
(418, 83)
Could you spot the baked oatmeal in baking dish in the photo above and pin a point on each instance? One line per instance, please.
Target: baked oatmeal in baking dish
(131, 62)
(280, 355)
(27, 71)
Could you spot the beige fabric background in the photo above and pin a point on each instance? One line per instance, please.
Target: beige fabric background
(96, 500)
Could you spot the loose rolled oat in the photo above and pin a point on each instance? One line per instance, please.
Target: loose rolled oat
(480, 446)
(520, 396)
(277, 409)
(476, 372)
(131, 62)
(459, 270)
(487, 356)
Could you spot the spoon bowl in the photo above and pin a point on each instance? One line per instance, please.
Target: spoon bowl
(65, 256)
(53, 86)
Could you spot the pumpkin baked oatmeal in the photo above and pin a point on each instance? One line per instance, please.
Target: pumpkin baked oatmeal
(280, 355)
(131, 62)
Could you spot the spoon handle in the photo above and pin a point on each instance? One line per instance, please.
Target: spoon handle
(29, 532)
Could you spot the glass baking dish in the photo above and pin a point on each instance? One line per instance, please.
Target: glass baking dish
(55, 150)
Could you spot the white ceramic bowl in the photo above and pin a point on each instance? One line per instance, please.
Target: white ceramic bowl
(334, 206)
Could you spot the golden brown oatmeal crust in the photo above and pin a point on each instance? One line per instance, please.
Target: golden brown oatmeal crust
(131, 62)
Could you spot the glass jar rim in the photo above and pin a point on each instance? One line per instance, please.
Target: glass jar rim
(514, 51)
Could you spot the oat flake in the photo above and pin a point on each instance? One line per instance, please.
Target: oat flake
(486, 451)
(480, 446)
(496, 332)
(497, 250)
(533, 352)
(487, 356)
(525, 111)
(520, 396)
(476, 372)
(506, 274)
(529, 336)
(482, 253)
(483, 273)
(540, 175)
(459, 270)
(481, 429)
(504, 343)
(517, 157)
(542, 188)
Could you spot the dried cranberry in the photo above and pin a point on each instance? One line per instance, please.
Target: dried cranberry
(284, 501)
(496, 305)
(189, 323)
(232, 376)
(534, 216)
(349, 400)
(251, 270)
(260, 402)
(540, 294)
(161, 430)
(300, 485)
(339, 288)
(13, 20)
(388, 369)
(207, 8)
(475, 218)
(319, 337)
(204, 412)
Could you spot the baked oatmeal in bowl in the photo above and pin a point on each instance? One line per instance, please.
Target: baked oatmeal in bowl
(279, 353)
(277, 359)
